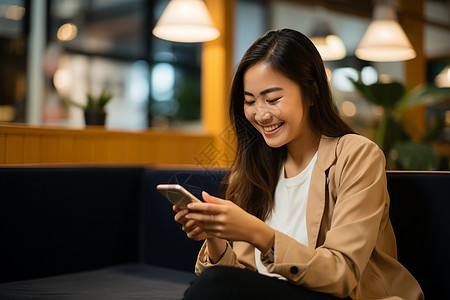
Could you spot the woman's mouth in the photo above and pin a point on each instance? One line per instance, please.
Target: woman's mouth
(272, 128)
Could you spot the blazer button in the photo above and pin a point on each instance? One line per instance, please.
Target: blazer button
(294, 270)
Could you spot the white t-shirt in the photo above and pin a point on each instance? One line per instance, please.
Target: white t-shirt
(289, 211)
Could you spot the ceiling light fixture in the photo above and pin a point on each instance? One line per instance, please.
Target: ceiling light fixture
(329, 45)
(186, 21)
(385, 39)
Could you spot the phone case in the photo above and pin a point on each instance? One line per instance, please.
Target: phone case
(176, 194)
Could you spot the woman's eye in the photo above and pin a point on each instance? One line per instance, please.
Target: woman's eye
(273, 100)
(249, 102)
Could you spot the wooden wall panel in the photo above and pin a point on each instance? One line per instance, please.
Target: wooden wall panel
(99, 149)
(32, 150)
(160, 149)
(84, 150)
(66, 149)
(14, 149)
(169, 150)
(33, 145)
(116, 150)
(132, 149)
(149, 151)
(2, 148)
(50, 149)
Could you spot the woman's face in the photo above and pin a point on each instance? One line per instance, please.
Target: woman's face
(274, 106)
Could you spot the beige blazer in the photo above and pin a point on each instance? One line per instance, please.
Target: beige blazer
(352, 248)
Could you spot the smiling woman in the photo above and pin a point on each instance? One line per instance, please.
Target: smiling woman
(301, 183)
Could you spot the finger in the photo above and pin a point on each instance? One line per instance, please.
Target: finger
(196, 231)
(176, 208)
(211, 206)
(197, 234)
(205, 208)
(202, 217)
(211, 199)
(181, 215)
(190, 225)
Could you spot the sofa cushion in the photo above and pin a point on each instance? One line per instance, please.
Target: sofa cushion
(129, 281)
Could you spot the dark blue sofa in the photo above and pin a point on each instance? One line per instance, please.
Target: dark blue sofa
(105, 232)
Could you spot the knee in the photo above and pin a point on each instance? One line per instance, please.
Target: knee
(217, 276)
(213, 283)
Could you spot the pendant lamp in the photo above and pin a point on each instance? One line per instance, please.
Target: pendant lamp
(385, 39)
(329, 45)
(443, 78)
(186, 21)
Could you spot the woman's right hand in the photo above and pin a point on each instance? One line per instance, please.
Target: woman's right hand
(216, 246)
(190, 227)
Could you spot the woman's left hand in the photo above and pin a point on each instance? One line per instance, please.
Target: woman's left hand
(225, 220)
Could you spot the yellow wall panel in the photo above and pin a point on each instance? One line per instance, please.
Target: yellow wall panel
(66, 149)
(149, 151)
(169, 154)
(14, 149)
(100, 149)
(2, 148)
(116, 150)
(132, 149)
(32, 149)
(34, 145)
(160, 149)
(50, 149)
(84, 151)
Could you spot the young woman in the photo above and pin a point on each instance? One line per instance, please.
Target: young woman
(307, 209)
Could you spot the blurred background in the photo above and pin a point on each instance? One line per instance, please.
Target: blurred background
(53, 53)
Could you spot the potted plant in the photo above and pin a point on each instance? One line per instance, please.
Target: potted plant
(94, 109)
(401, 149)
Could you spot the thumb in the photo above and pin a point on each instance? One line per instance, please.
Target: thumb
(211, 199)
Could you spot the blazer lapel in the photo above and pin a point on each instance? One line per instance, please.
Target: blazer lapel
(326, 156)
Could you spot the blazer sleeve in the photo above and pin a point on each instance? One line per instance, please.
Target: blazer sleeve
(229, 258)
(361, 203)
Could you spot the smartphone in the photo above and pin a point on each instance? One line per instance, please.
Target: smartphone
(177, 194)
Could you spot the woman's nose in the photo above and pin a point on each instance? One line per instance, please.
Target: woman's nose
(262, 115)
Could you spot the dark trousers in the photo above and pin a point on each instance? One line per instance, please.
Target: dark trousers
(219, 283)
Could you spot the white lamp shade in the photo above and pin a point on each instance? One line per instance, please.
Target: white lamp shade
(330, 47)
(443, 78)
(385, 39)
(186, 21)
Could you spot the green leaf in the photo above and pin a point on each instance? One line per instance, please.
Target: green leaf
(365, 91)
(383, 94)
(427, 95)
(76, 104)
(104, 98)
(91, 105)
(388, 94)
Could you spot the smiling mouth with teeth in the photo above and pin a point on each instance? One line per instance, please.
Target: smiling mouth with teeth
(272, 127)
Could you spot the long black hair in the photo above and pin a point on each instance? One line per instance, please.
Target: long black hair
(256, 167)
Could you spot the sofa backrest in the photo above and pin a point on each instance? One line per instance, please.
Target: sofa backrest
(163, 241)
(420, 215)
(61, 220)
